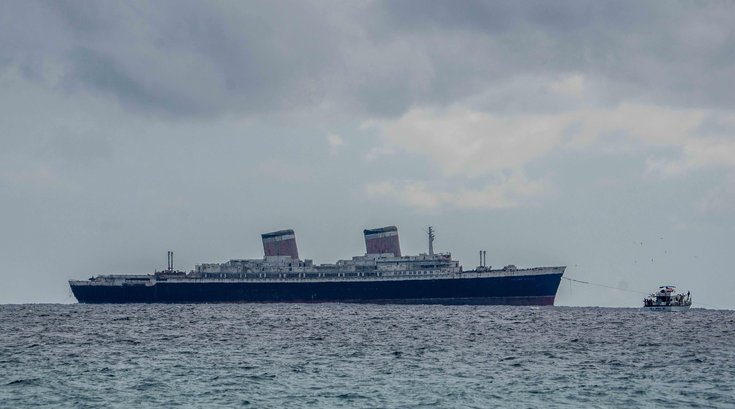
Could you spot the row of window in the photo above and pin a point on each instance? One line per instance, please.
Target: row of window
(319, 275)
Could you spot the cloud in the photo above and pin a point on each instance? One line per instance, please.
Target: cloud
(178, 59)
(335, 143)
(720, 200)
(711, 152)
(652, 63)
(472, 143)
(377, 152)
(408, 193)
(696, 153)
(280, 171)
(506, 192)
(380, 59)
(36, 176)
(572, 85)
(469, 147)
(111, 75)
(665, 167)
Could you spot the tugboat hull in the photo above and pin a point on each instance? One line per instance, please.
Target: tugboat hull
(672, 308)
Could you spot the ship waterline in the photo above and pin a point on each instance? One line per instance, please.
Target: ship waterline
(371, 278)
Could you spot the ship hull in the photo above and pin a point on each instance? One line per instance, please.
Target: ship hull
(666, 308)
(513, 289)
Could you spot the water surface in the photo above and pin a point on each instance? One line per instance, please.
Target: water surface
(363, 356)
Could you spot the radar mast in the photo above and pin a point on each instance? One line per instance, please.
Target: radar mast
(431, 241)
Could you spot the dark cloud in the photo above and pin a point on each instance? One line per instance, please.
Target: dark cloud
(177, 58)
(675, 54)
(78, 149)
(379, 59)
(498, 17)
(101, 72)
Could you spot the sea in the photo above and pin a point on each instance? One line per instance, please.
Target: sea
(363, 356)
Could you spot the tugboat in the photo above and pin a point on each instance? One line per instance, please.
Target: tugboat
(667, 299)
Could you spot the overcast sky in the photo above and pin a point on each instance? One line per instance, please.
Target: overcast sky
(597, 135)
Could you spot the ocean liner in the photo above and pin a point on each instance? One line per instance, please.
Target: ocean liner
(382, 275)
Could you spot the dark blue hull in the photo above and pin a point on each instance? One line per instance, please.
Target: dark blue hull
(502, 290)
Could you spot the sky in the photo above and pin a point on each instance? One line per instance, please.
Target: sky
(596, 135)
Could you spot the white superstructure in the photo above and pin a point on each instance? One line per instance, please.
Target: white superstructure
(367, 265)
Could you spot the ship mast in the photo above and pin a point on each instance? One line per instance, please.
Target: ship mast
(431, 241)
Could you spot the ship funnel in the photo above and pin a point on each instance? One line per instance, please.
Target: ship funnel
(280, 243)
(382, 240)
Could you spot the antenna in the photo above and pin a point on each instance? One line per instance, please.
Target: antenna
(431, 240)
